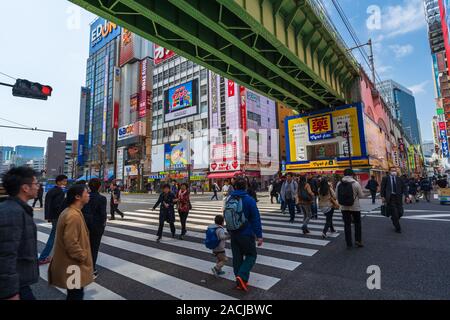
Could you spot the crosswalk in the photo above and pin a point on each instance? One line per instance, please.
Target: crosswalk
(181, 269)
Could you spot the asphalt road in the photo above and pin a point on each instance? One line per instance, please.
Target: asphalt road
(413, 265)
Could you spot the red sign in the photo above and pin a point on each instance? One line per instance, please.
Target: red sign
(162, 54)
(116, 115)
(145, 95)
(442, 126)
(126, 47)
(243, 109)
(225, 166)
(231, 88)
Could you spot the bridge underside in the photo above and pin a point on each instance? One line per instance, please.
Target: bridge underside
(281, 48)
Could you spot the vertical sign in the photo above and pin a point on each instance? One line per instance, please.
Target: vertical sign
(119, 169)
(105, 99)
(91, 112)
(145, 95)
(231, 88)
(243, 113)
(116, 99)
(162, 54)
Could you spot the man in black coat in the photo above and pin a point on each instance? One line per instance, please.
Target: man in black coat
(166, 212)
(372, 186)
(392, 189)
(115, 201)
(18, 236)
(95, 216)
(54, 205)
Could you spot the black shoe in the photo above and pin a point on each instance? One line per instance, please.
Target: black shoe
(359, 244)
(332, 230)
(291, 221)
(112, 218)
(121, 215)
(158, 240)
(181, 237)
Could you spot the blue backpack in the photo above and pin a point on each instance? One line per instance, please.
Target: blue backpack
(233, 214)
(212, 241)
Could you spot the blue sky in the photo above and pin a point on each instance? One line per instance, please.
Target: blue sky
(47, 41)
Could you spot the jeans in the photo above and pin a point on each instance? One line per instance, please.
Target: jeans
(50, 242)
(307, 214)
(347, 216)
(290, 203)
(95, 238)
(283, 205)
(329, 221)
(183, 218)
(244, 255)
(26, 293)
(215, 196)
(75, 294)
(395, 208)
(314, 208)
(374, 195)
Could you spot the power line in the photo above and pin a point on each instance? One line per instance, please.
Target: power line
(13, 122)
(6, 75)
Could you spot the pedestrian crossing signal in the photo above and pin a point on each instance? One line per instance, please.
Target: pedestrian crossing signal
(32, 90)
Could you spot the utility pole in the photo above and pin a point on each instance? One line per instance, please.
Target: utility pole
(371, 59)
(347, 133)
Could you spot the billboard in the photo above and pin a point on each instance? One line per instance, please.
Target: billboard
(224, 158)
(146, 83)
(102, 32)
(133, 47)
(120, 163)
(131, 130)
(181, 101)
(176, 155)
(162, 54)
(305, 134)
(105, 99)
(83, 107)
(116, 98)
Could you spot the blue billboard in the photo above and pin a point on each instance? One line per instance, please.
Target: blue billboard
(181, 101)
(102, 32)
(80, 149)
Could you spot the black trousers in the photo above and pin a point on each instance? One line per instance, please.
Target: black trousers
(215, 196)
(163, 217)
(347, 216)
(374, 195)
(75, 294)
(329, 222)
(114, 209)
(395, 209)
(183, 218)
(36, 200)
(95, 237)
(26, 293)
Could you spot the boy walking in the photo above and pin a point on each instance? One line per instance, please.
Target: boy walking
(219, 251)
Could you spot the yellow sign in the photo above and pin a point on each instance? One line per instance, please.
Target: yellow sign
(320, 128)
(444, 192)
(326, 164)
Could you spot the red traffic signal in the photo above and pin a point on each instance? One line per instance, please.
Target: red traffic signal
(32, 90)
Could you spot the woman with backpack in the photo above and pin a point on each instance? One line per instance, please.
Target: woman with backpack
(304, 201)
(327, 204)
(184, 205)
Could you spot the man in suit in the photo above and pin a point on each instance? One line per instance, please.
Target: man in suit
(392, 189)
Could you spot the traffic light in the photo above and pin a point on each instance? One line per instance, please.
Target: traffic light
(33, 90)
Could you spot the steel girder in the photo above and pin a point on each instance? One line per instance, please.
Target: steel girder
(234, 38)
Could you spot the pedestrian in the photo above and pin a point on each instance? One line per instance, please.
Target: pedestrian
(349, 192)
(288, 194)
(215, 189)
(227, 189)
(305, 198)
(425, 187)
(277, 190)
(405, 182)
(412, 189)
(184, 206)
(327, 204)
(167, 211)
(314, 184)
(273, 191)
(219, 237)
(391, 195)
(243, 222)
(254, 185)
(39, 196)
(372, 186)
(54, 205)
(72, 247)
(115, 201)
(174, 188)
(18, 236)
(95, 216)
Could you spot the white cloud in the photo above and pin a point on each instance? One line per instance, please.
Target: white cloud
(383, 69)
(402, 51)
(401, 19)
(419, 88)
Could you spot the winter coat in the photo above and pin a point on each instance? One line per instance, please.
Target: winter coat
(183, 201)
(95, 211)
(357, 194)
(72, 248)
(54, 202)
(18, 247)
(222, 235)
(251, 212)
(169, 212)
(294, 190)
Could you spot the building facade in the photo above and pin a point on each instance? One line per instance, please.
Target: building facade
(70, 158)
(55, 154)
(282, 113)
(6, 154)
(23, 154)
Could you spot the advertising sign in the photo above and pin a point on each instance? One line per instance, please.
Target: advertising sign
(225, 151)
(444, 143)
(320, 128)
(304, 132)
(102, 32)
(181, 101)
(120, 162)
(116, 97)
(129, 131)
(176, 155)
(134, 102)
(162, 54)
(131, 171)
(145, 95)
(231, 88)
(221, 166)
(243, 117)
(214, 102)
(105, 99)
(126, 47)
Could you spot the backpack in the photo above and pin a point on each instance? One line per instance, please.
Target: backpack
(211, 240)
(233, 214)
(304, 195)
(345, 194)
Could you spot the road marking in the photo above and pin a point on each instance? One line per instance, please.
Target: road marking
(258, 280)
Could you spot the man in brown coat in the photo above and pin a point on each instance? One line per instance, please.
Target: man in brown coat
(71, 267)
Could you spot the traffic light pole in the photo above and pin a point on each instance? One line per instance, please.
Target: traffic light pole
(6, 84)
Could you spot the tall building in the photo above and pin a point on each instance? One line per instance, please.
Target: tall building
(6, 154)
(96, 107)
(55, 154)
(70, 157)
(404, 108)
